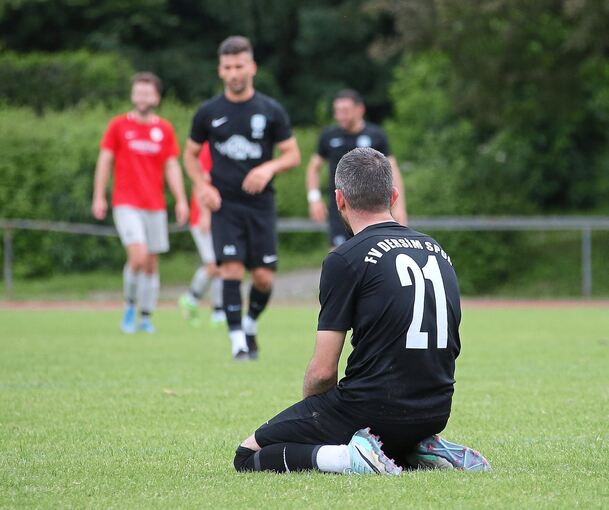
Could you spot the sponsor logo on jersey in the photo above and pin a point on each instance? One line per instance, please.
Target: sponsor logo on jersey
(218, 122)
(363, 141)
(144, 146)
(258, 123)
(156, 134)
(239, 148)
(269, 259)
(229, 249)
(335, 142)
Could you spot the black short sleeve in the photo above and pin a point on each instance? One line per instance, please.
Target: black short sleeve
(198, 130)
(282, 130)
(322, 145)
(337, 290)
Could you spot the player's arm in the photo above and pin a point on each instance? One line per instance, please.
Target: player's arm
(258, 178)
(207, 195)
(103, 168)
(173, 174)
(322, 372)
(399, 208)
(317, 208)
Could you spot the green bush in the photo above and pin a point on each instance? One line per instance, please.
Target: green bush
(60, 80)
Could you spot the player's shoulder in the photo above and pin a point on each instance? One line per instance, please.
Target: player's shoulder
(372, 128)
(165, 124)
(209, 105)
(268, 102)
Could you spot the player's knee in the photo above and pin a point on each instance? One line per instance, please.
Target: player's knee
(244, 459)
(263, 280)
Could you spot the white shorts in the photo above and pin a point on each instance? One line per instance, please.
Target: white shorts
(205, 245)
(140, 226)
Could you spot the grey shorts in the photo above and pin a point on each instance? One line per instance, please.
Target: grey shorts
(205, 245)
(140, 226)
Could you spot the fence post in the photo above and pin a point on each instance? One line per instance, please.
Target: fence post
(586, 262)
(8, 263)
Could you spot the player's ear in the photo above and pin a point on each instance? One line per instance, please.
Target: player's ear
(394, 195)
(340, 199)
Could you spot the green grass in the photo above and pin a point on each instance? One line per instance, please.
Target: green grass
(92, 418)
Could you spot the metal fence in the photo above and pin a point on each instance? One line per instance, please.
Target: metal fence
(584, 224)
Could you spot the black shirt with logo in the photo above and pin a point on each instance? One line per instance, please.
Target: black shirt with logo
(241, 136)
(397, 290)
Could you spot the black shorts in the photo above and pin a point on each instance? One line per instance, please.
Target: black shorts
(325, 419)
(246, 234)
(338, 234)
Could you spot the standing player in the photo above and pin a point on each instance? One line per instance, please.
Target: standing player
(242, 126)
(142, 148)
(397, 290)
(206, 276)
(352, 131)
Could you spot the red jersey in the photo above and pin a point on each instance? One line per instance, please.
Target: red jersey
(140, 152)
(206, 164)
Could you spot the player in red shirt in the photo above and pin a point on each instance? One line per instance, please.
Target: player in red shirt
(208, 275)
(142, 150)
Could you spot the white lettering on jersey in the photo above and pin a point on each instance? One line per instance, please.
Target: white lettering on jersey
(144, 146)
(386, 245)
(239, 148)
(218, 122)
(258, 123)
(363, 141)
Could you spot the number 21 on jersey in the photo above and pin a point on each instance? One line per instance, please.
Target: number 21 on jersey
(415, 338)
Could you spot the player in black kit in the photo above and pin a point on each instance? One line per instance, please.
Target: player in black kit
(350, 132)
(242, 127)
(396, 289)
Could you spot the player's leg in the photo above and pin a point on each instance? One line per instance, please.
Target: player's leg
(149, 292)
(189, 301)
(262, 260)
(131, 230)
(157, 241)
(316, 433)
(228, 235)
(337, 232)
(215, 294)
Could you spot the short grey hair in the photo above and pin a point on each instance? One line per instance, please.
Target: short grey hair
(365, 178)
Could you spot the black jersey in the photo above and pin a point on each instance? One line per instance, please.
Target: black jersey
(397, 290)
(335, 142)
(241, 136)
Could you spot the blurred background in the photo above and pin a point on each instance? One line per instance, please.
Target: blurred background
(493, 108)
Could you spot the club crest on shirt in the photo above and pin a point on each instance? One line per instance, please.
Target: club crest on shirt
(335, 142)
(364, 141)
(156, 134)
(258, 124)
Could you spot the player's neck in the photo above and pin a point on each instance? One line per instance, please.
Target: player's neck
(357, 127)
(144, 118)
(359, 220)
(242, 97)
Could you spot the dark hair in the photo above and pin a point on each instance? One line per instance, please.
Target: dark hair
(234, 45)
(146, 77)
(365, 178)
(349, 94)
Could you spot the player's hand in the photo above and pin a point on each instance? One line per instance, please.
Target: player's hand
(99, 208)
(257, 179)
(209, 196)
(182, 212)
(318, 211)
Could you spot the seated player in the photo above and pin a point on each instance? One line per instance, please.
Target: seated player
(208, 275)
(397, 290)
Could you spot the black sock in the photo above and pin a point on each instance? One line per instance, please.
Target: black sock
(231, 295)
(258, 301)
(145, 314)
(195, 294)
(280, 458)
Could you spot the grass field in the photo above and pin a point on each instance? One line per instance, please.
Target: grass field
(92, 418)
